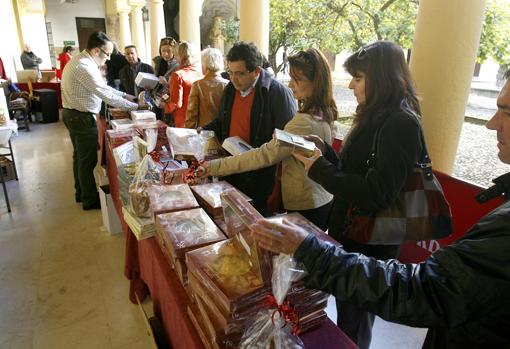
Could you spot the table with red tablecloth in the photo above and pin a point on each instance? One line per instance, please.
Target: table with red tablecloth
(43, 85)
(150, 272)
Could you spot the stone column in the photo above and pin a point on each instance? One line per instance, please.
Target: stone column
(254, 25)
(157, 23)
(443, 57)
(189, 21)
(124, 29)
(137, 32)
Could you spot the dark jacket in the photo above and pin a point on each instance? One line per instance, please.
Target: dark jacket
(461, 292)
(116, 62)
(349, 178)
(128, 74)
(30, 61)
(273, 106)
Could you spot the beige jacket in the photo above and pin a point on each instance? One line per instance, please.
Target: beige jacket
(204, 100)
(298, 191)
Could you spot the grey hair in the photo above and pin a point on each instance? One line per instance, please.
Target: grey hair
(188, 53)
(212, 59)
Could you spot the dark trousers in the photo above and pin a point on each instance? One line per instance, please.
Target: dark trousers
(83, 132)
(355, 322)
(318, 216)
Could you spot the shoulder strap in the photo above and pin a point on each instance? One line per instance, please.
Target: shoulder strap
(425, 163)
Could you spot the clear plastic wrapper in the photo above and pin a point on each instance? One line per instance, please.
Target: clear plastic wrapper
(208, 195)
(187, 144)
(124, 154)
(154, 133)
(169, 198)
(239, 215)
(277, 327)
(147, 174)
(187, 230)
(225, 270)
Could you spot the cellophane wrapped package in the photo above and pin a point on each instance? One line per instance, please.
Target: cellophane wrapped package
(154, 133)
(118, 137)
(169, 198)
(277, 327)
(147, 174)
(126, 168)
(187, 230)
(187, 144)
(239, 215)
(208, 195)
(228, 293)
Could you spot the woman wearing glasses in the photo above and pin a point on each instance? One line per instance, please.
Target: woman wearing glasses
(312, 87)
(387, 109)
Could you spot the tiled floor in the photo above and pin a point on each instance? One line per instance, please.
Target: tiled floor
(61, 274)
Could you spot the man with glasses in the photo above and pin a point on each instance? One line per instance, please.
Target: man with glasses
(83, 89)
(128, 74)
(252, 106)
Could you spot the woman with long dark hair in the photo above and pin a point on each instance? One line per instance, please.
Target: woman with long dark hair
(312, 87)
(388, 110)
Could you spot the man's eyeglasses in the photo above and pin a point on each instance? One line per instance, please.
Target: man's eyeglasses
(237, 74)
(104, 52)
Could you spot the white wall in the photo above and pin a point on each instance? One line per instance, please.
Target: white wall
(10, 49)
(63, 18)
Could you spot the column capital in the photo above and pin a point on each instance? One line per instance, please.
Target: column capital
(155, 2)
(137, 4)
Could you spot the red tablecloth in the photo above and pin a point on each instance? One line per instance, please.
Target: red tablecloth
(149, 271)
(49, 85)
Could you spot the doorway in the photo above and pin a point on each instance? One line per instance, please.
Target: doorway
(86, 26)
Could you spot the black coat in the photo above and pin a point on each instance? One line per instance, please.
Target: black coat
(273, 106)
(461, 292)
(349, 178)
(128, 75)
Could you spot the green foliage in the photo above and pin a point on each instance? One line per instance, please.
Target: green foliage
(339, 24)
(230, 29)
(494, 41)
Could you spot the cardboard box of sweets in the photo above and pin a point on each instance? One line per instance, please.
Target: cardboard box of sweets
(239, 215)
(169, 198)
(218, 338)
(118, 137)
(184, 231)
(187, 144)
(305, 301)
(116, 113)
(208, 195)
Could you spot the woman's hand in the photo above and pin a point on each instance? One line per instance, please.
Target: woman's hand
(192, 174)
(308, 160)
(163, 81)
(319, 143)
(278, 237)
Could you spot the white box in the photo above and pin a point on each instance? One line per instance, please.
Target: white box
(111, 220)
(100, 176)
(138, 115)
(236, 145)
(293, 140)
(146, 80)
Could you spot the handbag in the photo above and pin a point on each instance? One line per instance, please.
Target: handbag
(420, 211)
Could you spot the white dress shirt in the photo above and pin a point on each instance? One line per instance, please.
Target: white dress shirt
(83, 87)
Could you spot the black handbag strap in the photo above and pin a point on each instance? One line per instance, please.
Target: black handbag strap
(424, 163)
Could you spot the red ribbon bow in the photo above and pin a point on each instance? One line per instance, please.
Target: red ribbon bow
(287, 311)
(190, 175)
